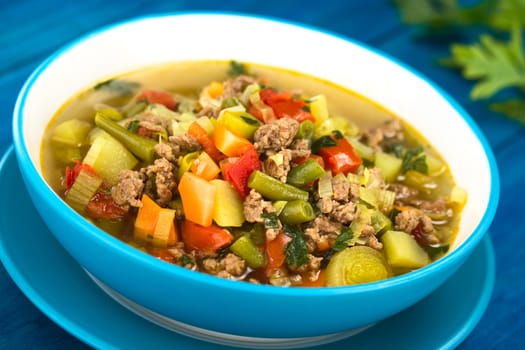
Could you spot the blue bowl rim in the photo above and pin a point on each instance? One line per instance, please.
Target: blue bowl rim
(448, 262)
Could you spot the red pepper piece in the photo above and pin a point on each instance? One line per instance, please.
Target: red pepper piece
(239, 172)
(158, 96)
(285, 105)
(342, 157)
(204, 238)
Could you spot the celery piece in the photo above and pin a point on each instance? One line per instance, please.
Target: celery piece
(378, 198)
(161, 112)
(246, 249)
(140, 146)
(85, 186)
(240, 123)
(336, 123)
(72, 132)
(389, 164)
(108, 157)
(111, 113)
(134, 108)
(206, 124)
(380, 222)
(354, 265)
(228, 210)
(362, 150)
(434, 165)
(67, 154)
(420, 181)
(186, 162)
(403, 251)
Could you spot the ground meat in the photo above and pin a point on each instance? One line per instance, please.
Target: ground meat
(208, 111)
(183, 259)
(162, 172)
(408, 219)
(276, 135)
(326, 205)
(315, 241)
(128, 189)
(324, 225)
(312, 265)
(344, 213)
(371, 239)
(391, 132)
(176, 146)
(235, 87)
(255, 206)
(300, 148)
(278, 165)
(230, 266)
(149, 129)
(341, 189)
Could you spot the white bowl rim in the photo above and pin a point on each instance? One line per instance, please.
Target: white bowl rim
(446, 262)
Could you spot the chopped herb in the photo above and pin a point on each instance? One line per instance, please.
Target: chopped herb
(434, 252)
(305, 108)
(414, 159)
(323, 141)
(133, 125)
(236, 69)
(270, 221)
(250, 121)
(186, 260)
(342, 241)
(393, 214)
(337, 134)
(296, 250)
(230, 102)
(395, 149)
(120, 87)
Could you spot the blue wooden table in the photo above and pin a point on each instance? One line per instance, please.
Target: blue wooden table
(31, 30)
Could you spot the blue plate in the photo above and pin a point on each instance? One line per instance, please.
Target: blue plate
(61, 289)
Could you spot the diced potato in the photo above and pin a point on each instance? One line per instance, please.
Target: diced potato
(403, 251)
(390, 165)
(72, 132)
(228, 210)
(108, 157)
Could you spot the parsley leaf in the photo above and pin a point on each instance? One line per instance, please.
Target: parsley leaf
(296, 251)
(133, 125)
(117, 86)
(342, 241)
(414, 159)
(270, 220)
(236, 69)
(497, 65)
(514, 109)
(323, 141)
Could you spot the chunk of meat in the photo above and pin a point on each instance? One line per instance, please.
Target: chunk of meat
(275, 136)
(255, 206)
(128, 190)
(278, 165)
(162, 183)
(234, 87)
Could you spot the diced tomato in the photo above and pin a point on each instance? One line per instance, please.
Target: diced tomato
(158, 96)
(239, 172)
(72, 173)
(275, 251)
(199, 133)
(284, 105)
(204, 239)
(102, 206)
(341, 158)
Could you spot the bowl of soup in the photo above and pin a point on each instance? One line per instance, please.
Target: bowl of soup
(247, 193)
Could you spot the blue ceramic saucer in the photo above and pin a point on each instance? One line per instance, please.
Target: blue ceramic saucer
(62, 290)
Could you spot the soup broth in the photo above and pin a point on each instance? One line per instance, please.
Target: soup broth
(253, 173)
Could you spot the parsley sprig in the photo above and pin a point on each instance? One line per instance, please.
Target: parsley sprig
(494, 62)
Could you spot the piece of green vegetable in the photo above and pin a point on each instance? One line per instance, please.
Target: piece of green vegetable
(108, 157)
(240, 123)
(85, 186)
(355, 265)
(306, 130)
(296, 251)
(403, 251)
(246, 249)
(71, 132)
(414, 159)
(141, 147)
(297, 212)
(273, 189)
(389, 164)
(305, 173)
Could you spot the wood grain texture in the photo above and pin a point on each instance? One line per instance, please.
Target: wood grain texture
(31, 30)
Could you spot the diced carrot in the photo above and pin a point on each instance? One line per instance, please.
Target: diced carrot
(165, 233)
(204, 239)
(275, 251)
(319, 282)
(215, 89)
(198, 198)
(229, 143)
(205, 167)
(199, 133)
(146, 219)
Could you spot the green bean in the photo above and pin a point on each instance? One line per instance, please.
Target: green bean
(297, 212)
(246, 249)
(274, 189)
(306, 130)
(305, 173)
(141, 147)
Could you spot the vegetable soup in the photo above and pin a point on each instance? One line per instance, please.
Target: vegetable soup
(253, 173)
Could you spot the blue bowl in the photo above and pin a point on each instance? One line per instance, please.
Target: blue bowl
(221, 310)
